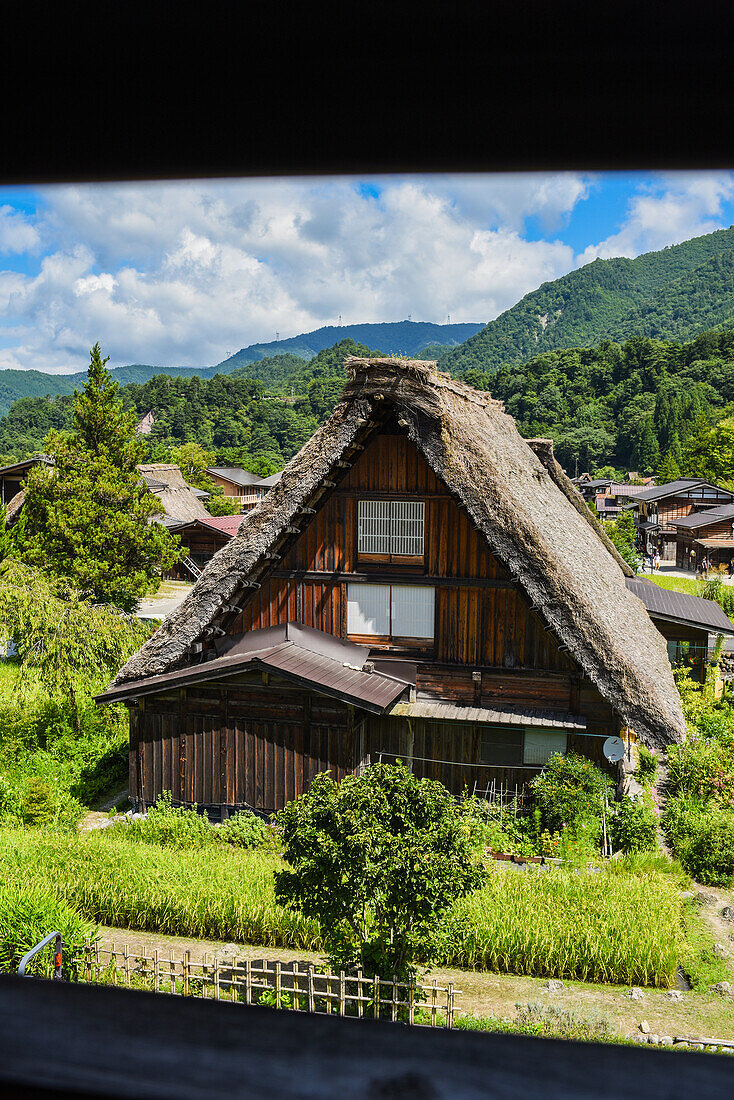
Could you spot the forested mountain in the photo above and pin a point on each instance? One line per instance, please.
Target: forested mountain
(234, 416)
(285, 357)
(627, 405)
(672, 294)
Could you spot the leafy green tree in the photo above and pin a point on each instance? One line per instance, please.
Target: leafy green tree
(709, 452)
(377, 859)
(668, 470)
(88, 518)
(68, 643)
(220, 505)
(623, 533)
(193, 460)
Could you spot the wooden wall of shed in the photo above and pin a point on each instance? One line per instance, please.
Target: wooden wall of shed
(246, 744)
(488, 624)
(451, 753)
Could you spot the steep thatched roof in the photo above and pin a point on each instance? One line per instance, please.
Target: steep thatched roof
(175, 494)
(533, 527)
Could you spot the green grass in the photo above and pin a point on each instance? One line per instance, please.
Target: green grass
(210, 894)
(608, 927)
(698, 960)
(675, 584)
(616, 926)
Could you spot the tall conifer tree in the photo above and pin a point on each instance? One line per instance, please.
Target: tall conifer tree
(88, 518)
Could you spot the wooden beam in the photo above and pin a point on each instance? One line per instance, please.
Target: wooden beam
(391, 578)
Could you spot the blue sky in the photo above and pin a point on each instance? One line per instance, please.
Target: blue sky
(186, 273)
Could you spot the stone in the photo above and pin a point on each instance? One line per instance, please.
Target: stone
(728, 913)
(687, 894)
(653, 1040)
(554, 986)
(706, 899)
(674, 994)
(723, 988)
(719, 951)
(666, 1040)
(636, 994)
(644, 1027)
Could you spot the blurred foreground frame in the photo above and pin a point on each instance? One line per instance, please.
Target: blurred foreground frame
(125, 92)
(62, 1040)
(159, 91)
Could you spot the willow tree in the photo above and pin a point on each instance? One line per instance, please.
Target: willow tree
(88, 518)
(69, 644)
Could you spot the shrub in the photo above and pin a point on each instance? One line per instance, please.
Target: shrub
(634, 826)
(28, 914)
(647, 767)
(171, 826)
(703, 839)
(244, 830)
(569, 790)
(377, 859)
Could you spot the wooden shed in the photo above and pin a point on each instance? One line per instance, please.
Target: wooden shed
(421, 583)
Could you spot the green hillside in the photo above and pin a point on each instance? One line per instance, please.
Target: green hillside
(284, 358)
(672, 294)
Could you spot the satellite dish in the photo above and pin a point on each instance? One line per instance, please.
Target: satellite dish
(614, 749)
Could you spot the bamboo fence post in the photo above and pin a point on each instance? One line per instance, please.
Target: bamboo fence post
(394, 1010)
(186, 972)
(87, 962)
(126, 963)
(172, 970)
(113, 962)
(411, 1003)
(360, 994)
(296, 988)
(277, 985)
(311, 1005)
(376, 999)
(216, 977)
(156, 971)
(450, 1005)
(434, 990)
(342, 993)
(248, 982)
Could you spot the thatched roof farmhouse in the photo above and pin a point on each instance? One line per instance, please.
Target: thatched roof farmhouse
(529, 570)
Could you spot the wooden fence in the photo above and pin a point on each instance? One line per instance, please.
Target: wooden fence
(298, 986)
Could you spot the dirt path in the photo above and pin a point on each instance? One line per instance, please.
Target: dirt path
(485, 994)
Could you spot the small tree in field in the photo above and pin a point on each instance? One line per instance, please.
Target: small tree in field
(377, 859)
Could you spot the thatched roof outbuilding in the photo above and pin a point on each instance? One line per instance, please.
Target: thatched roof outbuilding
(523, 504)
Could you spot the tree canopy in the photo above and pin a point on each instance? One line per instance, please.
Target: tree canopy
(88, 517)
(377, 859)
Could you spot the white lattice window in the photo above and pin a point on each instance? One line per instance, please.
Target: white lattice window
(391, 610)
(391, 527)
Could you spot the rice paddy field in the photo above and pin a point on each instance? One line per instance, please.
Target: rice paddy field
(616, 926)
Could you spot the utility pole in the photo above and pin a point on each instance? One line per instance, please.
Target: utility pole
(277, 336)
(448, 318)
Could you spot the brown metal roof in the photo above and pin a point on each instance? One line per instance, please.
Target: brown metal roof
(504, 716)
(297, 653)
(680, 607)
(705, 518)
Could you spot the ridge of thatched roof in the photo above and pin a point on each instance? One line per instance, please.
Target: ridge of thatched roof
(174, 492)
(530, 523)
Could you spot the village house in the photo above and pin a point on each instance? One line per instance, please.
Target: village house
(12, 480)
(689, 624)
(656, 509)
(421, 584)
(246, 488)
(708, 534)
(203, 538)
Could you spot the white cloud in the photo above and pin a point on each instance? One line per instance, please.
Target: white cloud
(17, 233)
(171, 273)
(673, 208)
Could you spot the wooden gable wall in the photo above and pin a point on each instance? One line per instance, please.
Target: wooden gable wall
(483, 620)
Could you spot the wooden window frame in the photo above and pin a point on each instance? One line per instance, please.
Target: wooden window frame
(414, 560)
(394, 641)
